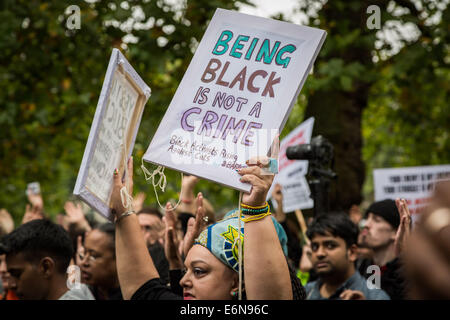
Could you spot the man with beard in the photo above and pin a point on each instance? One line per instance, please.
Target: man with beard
(333, 244)
(386, 228)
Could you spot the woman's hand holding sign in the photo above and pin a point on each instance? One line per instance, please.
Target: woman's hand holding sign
(260, 183)
(260, 173)
(128, 235)
(266, 271)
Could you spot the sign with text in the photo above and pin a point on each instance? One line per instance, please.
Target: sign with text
(414, 184)
(113, 132)
(235, 96)
(291, 176)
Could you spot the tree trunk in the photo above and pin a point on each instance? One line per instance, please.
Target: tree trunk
(338, 118)
(338, 110)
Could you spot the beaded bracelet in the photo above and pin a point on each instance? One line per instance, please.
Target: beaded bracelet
(255, 217)
(243, 205)
(251, 211)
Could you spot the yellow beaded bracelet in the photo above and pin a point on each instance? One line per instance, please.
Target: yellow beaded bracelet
(256, 217)
(246, 206)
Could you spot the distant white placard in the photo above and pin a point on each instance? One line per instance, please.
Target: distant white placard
(414, 184)
(113, 132)
(291, 176)
(235, 96)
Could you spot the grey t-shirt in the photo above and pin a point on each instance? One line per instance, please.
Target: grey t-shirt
(79, 292)
(355, 282)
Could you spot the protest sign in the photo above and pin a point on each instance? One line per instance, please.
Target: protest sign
(235, 96)
(113, 132)
(292, 173)
(414, 184)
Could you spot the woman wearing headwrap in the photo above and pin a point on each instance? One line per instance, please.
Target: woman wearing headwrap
(211, 263)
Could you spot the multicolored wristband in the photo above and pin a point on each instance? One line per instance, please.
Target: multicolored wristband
(255, 217)
(252, 211)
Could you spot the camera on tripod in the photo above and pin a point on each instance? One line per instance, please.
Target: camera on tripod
(320, 154)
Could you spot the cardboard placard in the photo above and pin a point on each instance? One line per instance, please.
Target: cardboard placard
(414, 184)
(291, 176)
(235, 96)
(113, 132)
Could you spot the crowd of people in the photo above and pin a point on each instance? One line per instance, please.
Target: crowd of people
(252, 252)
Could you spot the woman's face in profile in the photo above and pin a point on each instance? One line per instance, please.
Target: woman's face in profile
(207, 278)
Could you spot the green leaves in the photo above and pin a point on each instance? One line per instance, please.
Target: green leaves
(51, 78)
(336, 74)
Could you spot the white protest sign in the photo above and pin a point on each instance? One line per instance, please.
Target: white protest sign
(235, 96)
(292, 173)
(414, 184)
(113, 132)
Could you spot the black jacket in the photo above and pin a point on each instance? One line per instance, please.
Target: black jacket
(392, 277)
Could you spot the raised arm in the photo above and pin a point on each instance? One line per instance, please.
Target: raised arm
(134, 264)
(266, 273)
(187, 194)
(170, 240)
(404, 229)
(195, 225)
(75, 217)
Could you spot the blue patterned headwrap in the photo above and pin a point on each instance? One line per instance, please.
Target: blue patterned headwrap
(221, 239)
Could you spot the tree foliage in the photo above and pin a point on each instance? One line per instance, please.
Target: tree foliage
(51, 78)
(382, 100)
(407, 121)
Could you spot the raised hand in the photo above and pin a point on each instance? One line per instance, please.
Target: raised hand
(171, 240)
(189, 181)
(75, 216)
(116, 199)
(258, 174)
(427, 252)
(260, 181)
(187, 194)
(31, 213)
(6, 220)
(404, 229)
(138, 201)
(195, 226)
(36, 201)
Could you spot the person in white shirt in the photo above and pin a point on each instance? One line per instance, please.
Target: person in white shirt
(38, 254)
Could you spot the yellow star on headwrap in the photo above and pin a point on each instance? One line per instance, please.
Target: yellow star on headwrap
(231, 236)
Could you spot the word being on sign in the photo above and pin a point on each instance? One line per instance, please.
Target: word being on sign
(266, 52)
(245, 79)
